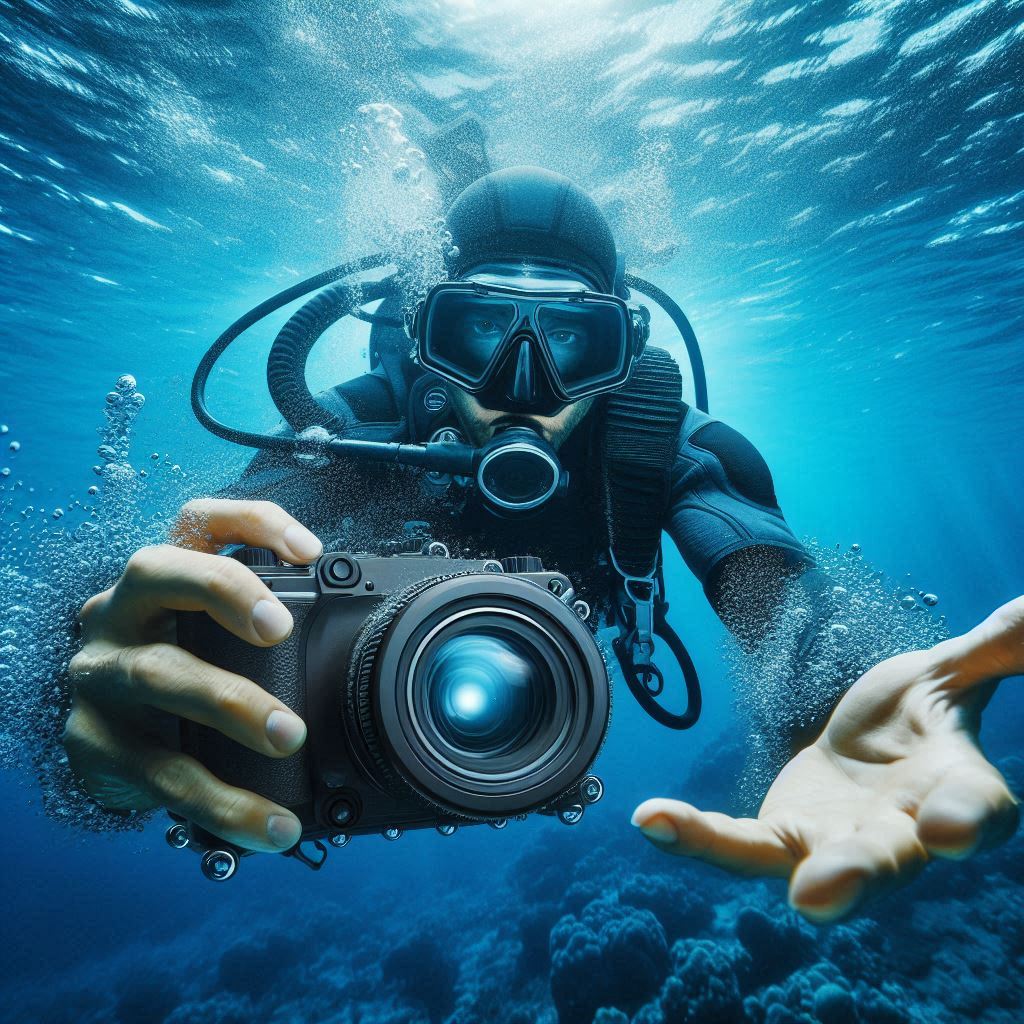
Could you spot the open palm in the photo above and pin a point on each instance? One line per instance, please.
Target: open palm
(895, 778)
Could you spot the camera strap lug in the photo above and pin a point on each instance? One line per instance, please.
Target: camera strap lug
(300, 855)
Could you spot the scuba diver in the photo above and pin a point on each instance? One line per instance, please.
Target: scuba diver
(540, 424)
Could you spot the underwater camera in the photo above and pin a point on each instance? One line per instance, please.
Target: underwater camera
(437, 692)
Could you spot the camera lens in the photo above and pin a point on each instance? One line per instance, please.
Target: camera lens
(482, 693)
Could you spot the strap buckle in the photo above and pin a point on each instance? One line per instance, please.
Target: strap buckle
(642, 593)
(635, 648)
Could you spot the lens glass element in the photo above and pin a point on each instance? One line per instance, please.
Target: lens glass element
(588, 342)
(486, 692)
(490, 695)
(464, 331)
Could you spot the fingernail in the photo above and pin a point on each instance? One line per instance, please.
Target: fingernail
(271, 620)
(286, 731)
(302, 542)
(659, 830)
(283, 831)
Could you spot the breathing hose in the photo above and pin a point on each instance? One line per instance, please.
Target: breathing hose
(286, 365)
(242, 324)
(686, 332)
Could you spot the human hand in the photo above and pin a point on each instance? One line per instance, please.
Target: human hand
(131, 682)
(895, 778)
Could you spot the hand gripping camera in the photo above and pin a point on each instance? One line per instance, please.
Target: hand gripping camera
(437, 692)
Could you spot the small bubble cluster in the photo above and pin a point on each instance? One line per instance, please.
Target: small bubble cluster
(393, 204)
(53, 556)
(313, 451)
(819, 644)
(640, 204)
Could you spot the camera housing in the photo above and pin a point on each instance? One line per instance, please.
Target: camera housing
(436, 691)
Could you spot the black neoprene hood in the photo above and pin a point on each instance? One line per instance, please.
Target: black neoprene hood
(535, 215)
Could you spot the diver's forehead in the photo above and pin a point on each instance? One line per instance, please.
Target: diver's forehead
(528, 275)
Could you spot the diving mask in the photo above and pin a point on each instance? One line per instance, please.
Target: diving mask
(528, 349)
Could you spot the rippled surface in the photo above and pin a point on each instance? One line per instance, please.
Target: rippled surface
(832, 191)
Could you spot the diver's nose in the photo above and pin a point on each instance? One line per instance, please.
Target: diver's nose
(524, 387)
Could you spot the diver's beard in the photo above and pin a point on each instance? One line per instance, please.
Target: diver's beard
(516, 420)
(479, 427)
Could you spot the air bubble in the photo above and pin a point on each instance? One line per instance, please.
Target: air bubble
(803, 665)
(4, 428)
(855, 548)
(5, 471)
(931, 600)
(15, 446)
(51, 565)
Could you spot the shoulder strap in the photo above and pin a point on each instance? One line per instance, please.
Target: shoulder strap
(639, 447)
(641, 433)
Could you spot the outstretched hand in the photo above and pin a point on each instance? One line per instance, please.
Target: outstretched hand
(896, 778)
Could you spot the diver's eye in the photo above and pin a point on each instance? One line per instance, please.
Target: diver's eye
(485, 328)
(562, 337)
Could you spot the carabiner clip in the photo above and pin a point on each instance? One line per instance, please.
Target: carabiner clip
(641, 592)
(635, 649)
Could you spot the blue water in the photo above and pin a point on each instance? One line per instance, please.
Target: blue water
(832, 191)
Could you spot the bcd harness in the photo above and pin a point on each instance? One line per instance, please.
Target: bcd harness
(640, 439)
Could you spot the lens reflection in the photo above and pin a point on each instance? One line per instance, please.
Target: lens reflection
(486, 692)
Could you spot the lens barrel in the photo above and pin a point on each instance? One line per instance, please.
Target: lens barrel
(480, 692)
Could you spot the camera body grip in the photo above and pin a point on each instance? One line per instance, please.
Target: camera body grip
(280, 671)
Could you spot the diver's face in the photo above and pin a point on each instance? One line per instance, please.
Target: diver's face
(481, 422)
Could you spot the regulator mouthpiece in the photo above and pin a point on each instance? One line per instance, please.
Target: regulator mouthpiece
(516, 471)
(519, 471)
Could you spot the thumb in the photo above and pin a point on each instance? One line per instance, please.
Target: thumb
(992, 650)
(745, 846)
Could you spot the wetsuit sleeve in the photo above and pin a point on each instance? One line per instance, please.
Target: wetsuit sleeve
(762, 583)
(723, 500)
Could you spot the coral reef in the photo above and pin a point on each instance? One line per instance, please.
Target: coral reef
(573, 934)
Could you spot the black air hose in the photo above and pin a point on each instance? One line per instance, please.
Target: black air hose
(242, 324)
(678, 317)
(286, 366)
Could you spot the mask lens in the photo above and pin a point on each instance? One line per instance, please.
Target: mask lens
(463, 331)
(588, 342)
